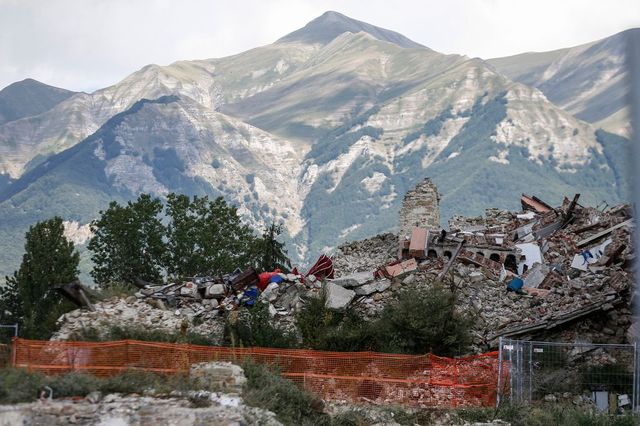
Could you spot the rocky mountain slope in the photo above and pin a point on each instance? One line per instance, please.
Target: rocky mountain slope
(29, 97)
(325, 129)
(589, 81)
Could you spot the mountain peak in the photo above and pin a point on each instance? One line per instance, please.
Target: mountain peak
(331, 24)
(29, 97)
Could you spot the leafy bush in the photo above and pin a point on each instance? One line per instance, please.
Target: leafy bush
(424, 321)
(417, 323)
(18, 385)
(547, 414)
(252, 327)
(291, 404)
(116, 332)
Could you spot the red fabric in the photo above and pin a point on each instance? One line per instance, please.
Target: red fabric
(265, 277)
(323, 268)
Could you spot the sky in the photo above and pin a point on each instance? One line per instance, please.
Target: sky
(85, 45)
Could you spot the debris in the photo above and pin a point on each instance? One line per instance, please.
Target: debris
(516, 285)
(323, 268)
(418, 242)
(338, 298)
(399, 269)
(604, 233)
(218, 375)
(570, 264)
(77, 293)
(534, 204)
(374, 287)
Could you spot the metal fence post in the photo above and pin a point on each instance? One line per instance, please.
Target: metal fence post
(530, 372)
(636, 379)
(499, 388)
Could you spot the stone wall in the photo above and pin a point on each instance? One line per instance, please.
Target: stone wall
(420, 207)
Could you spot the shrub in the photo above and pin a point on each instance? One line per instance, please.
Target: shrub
(423, 321)
(324, 329)
(17, 385)
(252, 327)
(417, 323)
(547, 414)
(116, 332)
(291, 404)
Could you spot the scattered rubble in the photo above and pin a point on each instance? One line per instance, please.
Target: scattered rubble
(569, 267)
(365, 255)
(218, 375)
(177, 408)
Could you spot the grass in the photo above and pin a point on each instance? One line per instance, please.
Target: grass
(547, 414)
(266, 389)
(18, 385)
(292, 405)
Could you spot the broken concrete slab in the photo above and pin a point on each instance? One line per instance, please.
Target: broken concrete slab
(270, 293)
(189, 289)
(354, 280)
(374, 287)
(214, 291)
(476, 276)
(536, 275)
(338, 298)
(402, 268)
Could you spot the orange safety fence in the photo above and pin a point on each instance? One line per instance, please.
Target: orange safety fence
(414, 380)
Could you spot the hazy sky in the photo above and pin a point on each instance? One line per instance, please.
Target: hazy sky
(89, 44)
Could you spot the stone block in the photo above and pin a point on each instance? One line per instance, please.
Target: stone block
(214, 291)
(374, 287)
(338, 298)
(354, 280)
(218, 376)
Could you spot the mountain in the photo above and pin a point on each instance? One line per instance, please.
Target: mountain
(330, 25)
(157, 146)
(29, 97)
(590, 81)
(322, 131)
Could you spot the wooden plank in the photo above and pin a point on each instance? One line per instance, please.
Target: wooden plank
(451, 261)
(606, 232)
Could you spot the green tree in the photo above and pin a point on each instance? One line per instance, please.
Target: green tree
(271, 252)
(128, 242)
(206, 237)
(30, 298)
(424, 321)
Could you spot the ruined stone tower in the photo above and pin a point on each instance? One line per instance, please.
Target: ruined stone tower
(420, 207)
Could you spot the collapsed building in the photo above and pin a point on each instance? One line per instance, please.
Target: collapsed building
(569, 269)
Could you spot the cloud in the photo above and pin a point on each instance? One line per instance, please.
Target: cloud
(89, 44)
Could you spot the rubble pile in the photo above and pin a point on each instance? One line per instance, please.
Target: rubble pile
(200, 304)
(135, 313)
(527, 273)
(365, 255)
(551, 272)
(555, 272)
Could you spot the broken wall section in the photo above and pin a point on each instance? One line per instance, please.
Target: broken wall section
(420, 207)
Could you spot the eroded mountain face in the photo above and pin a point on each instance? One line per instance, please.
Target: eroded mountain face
(325, 130)
(589, 81)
